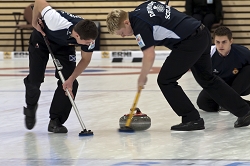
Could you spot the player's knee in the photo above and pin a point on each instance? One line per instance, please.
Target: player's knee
(161, 80)
(205, 106)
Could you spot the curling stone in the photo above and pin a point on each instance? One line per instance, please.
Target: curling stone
(139, 121)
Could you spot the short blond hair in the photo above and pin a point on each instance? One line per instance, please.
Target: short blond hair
(115, 20)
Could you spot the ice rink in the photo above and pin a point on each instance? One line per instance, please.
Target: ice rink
(106, 92)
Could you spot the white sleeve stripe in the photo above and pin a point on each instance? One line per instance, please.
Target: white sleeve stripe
(212, 51)
(54, 20)
(45, 10)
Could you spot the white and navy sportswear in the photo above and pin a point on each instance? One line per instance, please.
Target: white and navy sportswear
(58, 26)
(156, 24)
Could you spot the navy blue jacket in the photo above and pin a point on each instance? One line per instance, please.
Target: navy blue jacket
(228, 67)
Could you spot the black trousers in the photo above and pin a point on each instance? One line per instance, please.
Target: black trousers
(194, 53)
(38, 58)
(241, 84)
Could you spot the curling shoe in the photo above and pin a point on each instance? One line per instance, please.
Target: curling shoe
(222, 108)
(30, 116)
(223, 111)
(55, 126)
(242, 121)
(189, 126)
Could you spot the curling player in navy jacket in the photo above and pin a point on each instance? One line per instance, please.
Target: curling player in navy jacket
(230, 62)
(64, 31)
(156, 24)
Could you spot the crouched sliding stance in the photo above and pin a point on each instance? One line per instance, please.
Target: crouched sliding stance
(64, 31)
(155, 24)
(231, 63)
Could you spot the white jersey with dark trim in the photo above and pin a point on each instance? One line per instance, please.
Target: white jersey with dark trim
(157, 24)
(58, 26)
